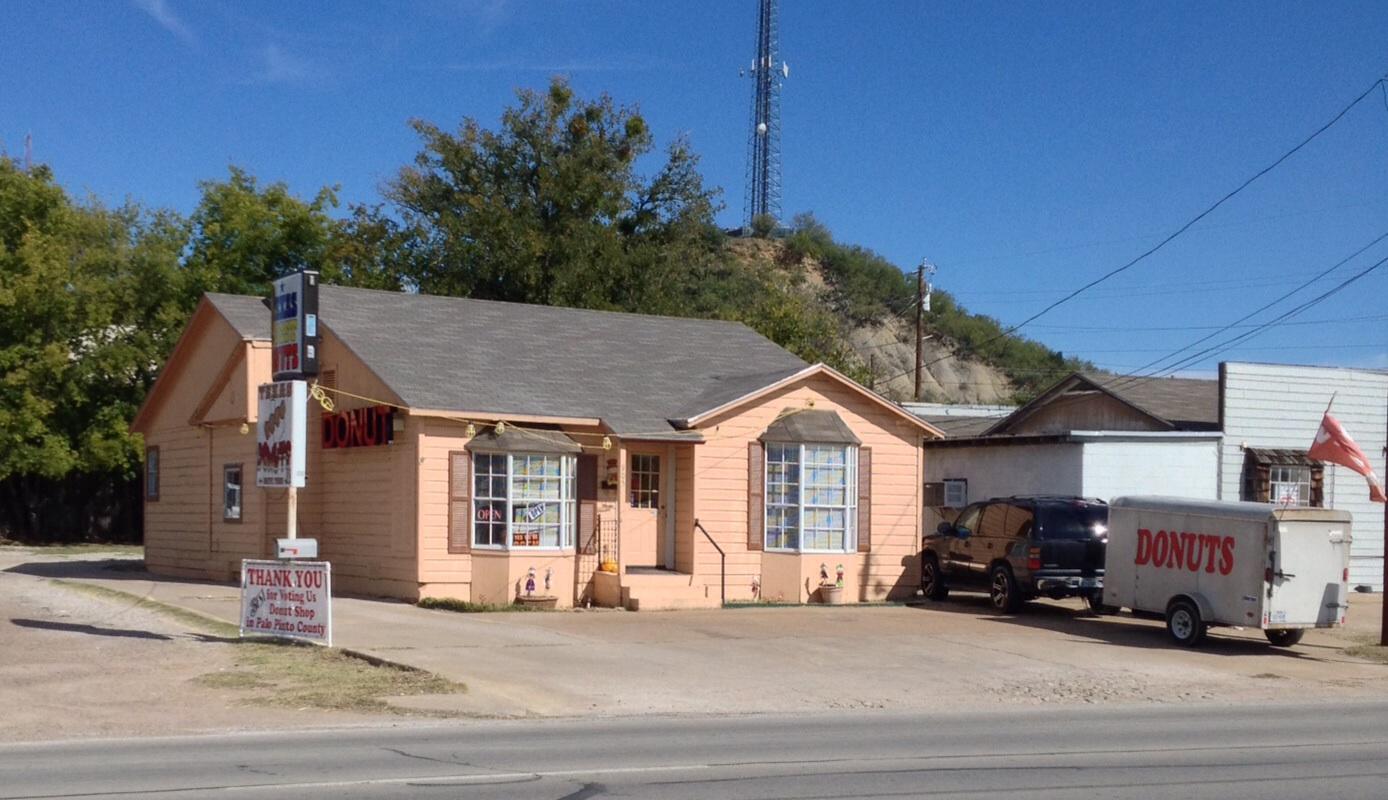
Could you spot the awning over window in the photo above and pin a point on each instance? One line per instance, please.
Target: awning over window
(518, 440)
(1267, 456)
(809, 425)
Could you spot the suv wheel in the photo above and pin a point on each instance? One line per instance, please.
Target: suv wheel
(932, 582)
(1003, 591)
(1184, 624)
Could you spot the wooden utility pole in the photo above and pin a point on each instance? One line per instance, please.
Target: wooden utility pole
(1383, 623)
(920, 313)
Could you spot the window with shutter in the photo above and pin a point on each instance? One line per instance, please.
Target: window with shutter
(810, 496)
(523, 500)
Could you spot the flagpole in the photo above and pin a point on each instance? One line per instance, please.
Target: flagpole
(1383, 594)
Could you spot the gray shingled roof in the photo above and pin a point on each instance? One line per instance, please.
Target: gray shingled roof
(635, 372)
(954, 426)
(1187, 403)
(250, 316)
(809, 425)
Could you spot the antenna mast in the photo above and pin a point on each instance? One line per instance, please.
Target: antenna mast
(764, 141)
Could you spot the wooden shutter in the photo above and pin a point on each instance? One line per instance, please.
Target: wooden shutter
(1262, 484)
(756, 500)
(864, 499)
(587, 477)
(587, 527)
(459, 502)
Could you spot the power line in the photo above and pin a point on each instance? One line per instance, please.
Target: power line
(1187, 226)
(1263, 307)
(1229, 344)
(1126, 329)
(1151, 236)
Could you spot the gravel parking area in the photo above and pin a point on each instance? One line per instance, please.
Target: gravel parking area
(957, 655)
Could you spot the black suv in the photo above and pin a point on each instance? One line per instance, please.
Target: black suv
(1019, 548)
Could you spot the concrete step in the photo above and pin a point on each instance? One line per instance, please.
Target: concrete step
(652, 591)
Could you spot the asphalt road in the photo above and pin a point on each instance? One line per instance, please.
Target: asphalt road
(1322, 751)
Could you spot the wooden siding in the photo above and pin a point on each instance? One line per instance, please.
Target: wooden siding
(358, 502)
(1272, 405)
(720, 502)
(1086, 411)
(179, 525)
(685, 497)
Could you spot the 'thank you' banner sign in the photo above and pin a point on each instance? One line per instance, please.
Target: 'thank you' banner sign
(290, 599)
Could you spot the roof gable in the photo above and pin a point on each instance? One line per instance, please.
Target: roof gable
(207, 325)
(1167, 403)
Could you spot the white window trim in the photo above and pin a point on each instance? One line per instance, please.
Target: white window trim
(568, 503)
(850, 532)
(1304, 498)
(240, 484)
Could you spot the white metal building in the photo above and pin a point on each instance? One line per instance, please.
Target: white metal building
(1275, 408)
(1242, 437)
(1086, 436)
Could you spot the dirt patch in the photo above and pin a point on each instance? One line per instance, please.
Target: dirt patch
(1367, 647)
(308, 677)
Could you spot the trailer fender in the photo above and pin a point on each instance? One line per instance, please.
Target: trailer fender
(1206, 610)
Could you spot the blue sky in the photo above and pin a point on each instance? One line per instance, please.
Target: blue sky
(1025, 148)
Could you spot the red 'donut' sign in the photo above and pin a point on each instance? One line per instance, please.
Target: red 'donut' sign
(1185, 550)
(359, 427)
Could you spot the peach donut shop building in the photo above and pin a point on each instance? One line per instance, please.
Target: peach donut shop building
(615, 459)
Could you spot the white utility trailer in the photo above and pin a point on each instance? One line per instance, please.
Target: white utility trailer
(1201, 563)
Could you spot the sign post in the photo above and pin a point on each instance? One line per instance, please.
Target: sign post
(293, 356)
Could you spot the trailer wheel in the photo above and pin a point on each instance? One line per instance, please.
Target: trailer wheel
(1184, 624)
(1003, 591)
(932, 582)
(1285, 638)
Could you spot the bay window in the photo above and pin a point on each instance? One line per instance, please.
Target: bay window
(811, 497)
(523, 500)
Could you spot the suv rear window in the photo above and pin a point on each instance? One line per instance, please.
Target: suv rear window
(1072, 521)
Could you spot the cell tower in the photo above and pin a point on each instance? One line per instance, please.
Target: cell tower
(764, 140)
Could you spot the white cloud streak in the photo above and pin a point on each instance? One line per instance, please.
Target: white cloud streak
(167, 19)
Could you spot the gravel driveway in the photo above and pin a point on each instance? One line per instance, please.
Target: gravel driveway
(958, 655)
(76, 665)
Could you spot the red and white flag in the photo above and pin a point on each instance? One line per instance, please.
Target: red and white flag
(1334, 445)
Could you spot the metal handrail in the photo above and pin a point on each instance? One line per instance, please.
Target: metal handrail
(722, 564)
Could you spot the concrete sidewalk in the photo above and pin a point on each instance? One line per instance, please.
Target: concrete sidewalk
(956, 655)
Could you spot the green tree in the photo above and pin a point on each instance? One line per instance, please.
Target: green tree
(90, 301)
(549, 207)
(243, 235)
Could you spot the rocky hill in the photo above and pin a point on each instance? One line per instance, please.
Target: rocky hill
(873, 302)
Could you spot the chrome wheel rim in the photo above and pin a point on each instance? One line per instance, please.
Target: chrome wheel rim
(1181, 624)
(1000, 589)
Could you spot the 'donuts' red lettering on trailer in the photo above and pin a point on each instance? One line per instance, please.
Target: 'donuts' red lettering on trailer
(1185, 550)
